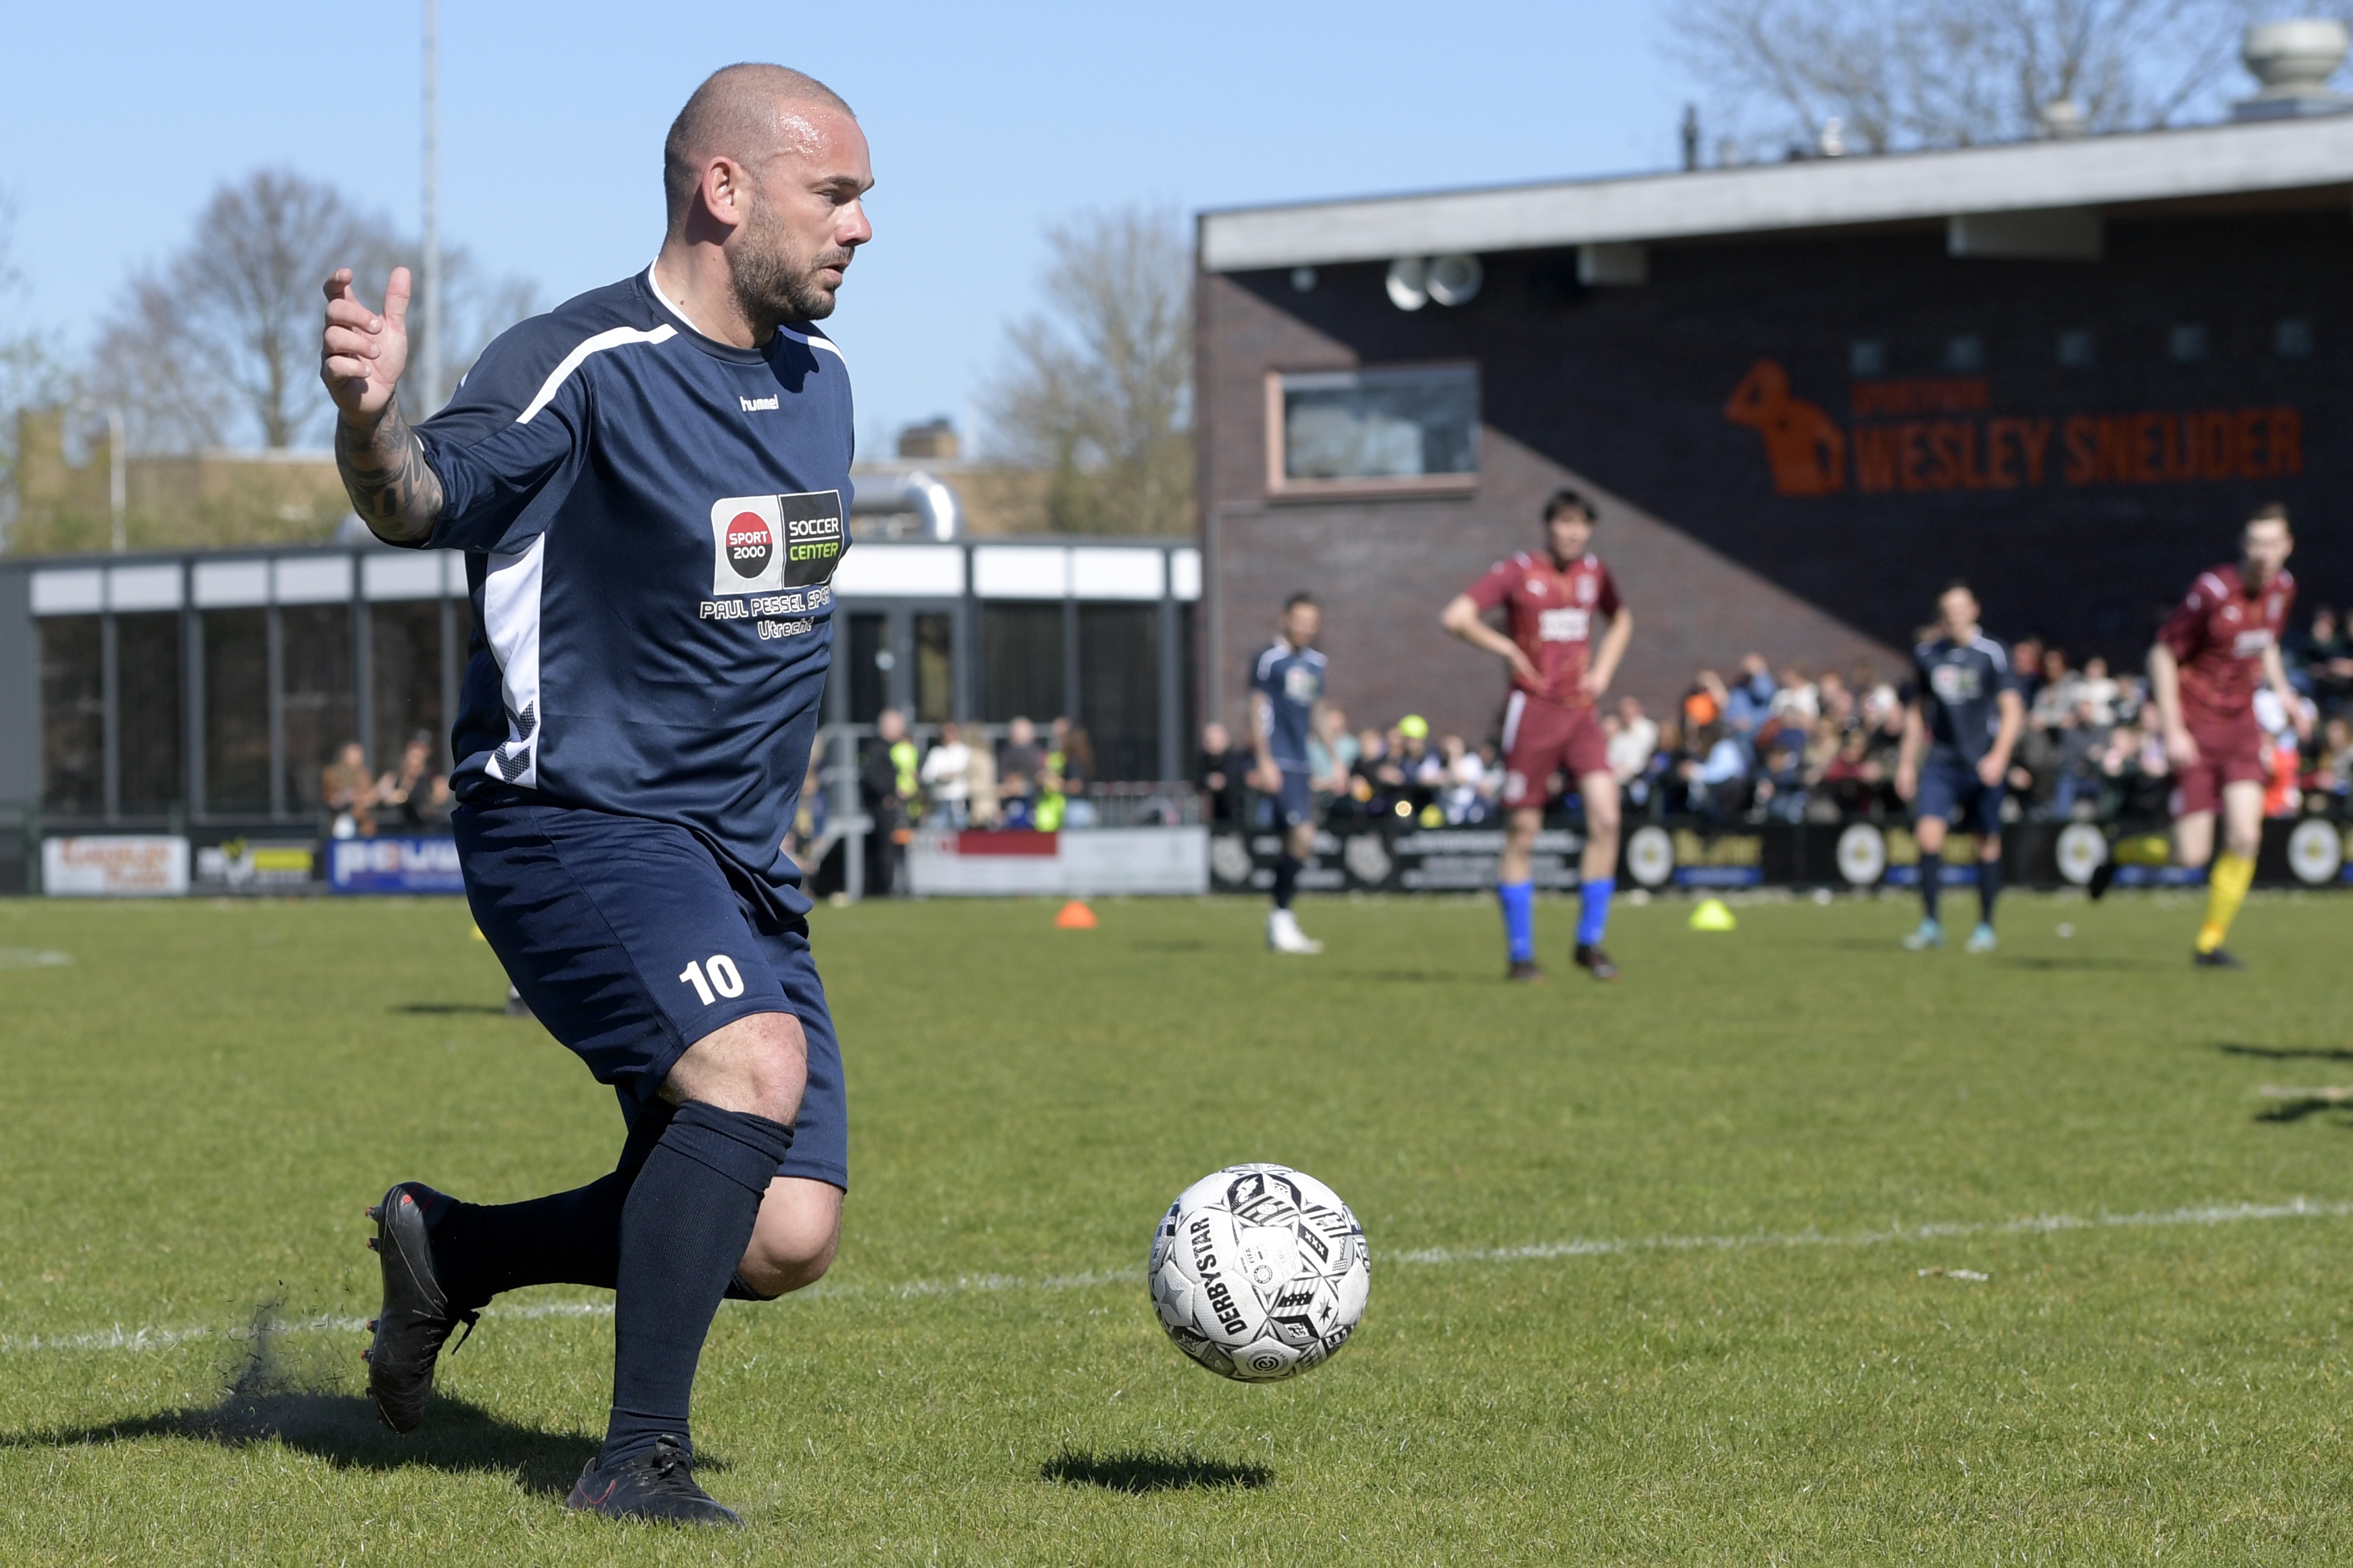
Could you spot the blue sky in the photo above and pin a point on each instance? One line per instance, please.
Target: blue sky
(116, 123)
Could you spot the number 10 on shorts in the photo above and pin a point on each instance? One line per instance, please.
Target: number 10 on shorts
(725, 979)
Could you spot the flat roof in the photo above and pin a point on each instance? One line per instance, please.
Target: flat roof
(1815, 193)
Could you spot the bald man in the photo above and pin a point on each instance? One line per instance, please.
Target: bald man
(650, 485)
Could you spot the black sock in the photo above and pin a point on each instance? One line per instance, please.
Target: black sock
(1932, 874)
(682, 1232)
(1286, 881)
(1989, 889)
(564, 1239)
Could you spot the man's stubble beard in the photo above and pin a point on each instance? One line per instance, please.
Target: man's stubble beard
(771, 285)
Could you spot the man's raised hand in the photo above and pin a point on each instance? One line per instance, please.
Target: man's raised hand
(362, 352)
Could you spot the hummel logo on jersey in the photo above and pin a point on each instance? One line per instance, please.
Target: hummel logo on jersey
(764, 543)
(758, 405)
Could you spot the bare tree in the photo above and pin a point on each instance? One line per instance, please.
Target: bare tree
(1900, 74)
(1097, 392)
(32, 372)
(220, 343)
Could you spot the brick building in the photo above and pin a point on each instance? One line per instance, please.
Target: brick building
(1805, 395)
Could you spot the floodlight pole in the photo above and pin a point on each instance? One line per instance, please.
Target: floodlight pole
(430, 290)
(118, 477)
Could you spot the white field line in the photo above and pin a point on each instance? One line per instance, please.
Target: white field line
(155, 1338)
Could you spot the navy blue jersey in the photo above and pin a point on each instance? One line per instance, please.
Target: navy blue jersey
(1290, 680)
(652, 519)
(1959, 686)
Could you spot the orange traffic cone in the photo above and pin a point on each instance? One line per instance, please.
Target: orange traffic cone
(1075, 916)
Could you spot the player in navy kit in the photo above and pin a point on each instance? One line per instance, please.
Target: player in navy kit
(1286, 683)
(650, 485)
(1965, 715)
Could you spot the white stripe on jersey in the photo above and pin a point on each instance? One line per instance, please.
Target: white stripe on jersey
(613, 339)
(510, 587)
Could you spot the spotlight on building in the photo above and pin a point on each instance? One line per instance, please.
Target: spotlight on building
(1454, 279)
(1408, 283)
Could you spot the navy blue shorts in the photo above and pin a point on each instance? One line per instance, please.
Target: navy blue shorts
(1295, 803)
(1951, 792)
(628, 941)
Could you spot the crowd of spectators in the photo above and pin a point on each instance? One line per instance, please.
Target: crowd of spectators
(1760, 745)
(412, 796)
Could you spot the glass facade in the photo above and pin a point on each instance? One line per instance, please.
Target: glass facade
(320, 707)
(153, 779)
(236, 711)
(1020, 662)
(73, 715)
(404, 678)
(1119, 687)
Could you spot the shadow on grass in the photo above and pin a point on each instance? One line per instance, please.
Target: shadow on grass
(2131, 965)
(2289, 1053)
(1139, 1473)
(1415, 976)
(1172, 945)
(446, 1009)
(342, 1428)
(272, 1398)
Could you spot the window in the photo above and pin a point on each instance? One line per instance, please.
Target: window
(2078, 350)
(871, 663)
(322, 700)
(934, 669)
(148, 687)
(2294, 338)
(405, 666)
(1965, 355)
(1413, 428)
(2187, 342)
(73, 715)
(1020, 661)
(1119, 687)
(236, 711)
(1866, 358)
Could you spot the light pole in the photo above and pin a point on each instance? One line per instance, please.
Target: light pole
(429, 291)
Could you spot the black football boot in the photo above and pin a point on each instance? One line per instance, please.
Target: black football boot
(1594, 961)
(658, 1484)
(416, 1319)
(1524, 970)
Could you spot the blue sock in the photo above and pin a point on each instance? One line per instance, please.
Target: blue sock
(1593, 912)
(1519, 901)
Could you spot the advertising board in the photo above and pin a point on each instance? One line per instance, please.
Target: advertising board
(394, 865)
(114, 866)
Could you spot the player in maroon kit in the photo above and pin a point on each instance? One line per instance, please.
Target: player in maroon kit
(2202, 675)
(1551, 600)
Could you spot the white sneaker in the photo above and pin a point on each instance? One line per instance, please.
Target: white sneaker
(1283, 935)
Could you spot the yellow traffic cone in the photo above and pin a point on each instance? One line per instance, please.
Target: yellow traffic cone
(1712, 915)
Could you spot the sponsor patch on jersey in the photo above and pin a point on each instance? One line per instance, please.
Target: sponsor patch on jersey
(761, 543)
(2247, 644)
(1955, 682)
(1302, 685)
(1564, 626)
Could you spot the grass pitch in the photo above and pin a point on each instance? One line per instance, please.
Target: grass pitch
(1648, 1259)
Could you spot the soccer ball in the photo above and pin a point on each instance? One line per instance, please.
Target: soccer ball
(1259, 1272)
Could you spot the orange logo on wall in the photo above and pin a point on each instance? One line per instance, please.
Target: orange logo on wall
(1803, 444)
(1972, 448)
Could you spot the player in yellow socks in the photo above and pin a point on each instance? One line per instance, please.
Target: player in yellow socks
(2202, 675)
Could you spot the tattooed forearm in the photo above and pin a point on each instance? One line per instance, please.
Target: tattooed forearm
(394, 490)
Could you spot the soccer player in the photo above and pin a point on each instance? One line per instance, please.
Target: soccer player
(1285, 685)
(1964, 713)
(1550, 724)
(649, 485)
(2202, 674)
